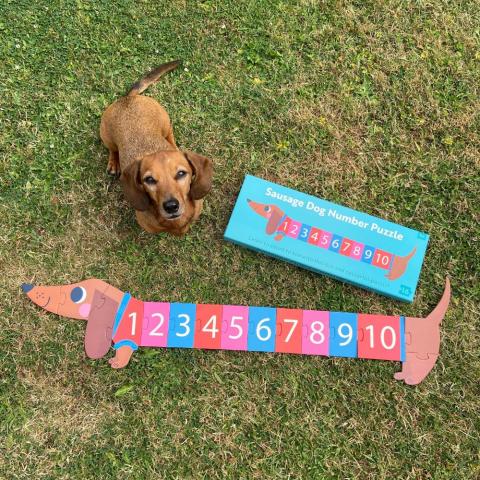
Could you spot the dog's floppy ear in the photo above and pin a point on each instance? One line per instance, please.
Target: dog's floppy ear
(203, 173)
(273, 221)
(132, 187)
(98, 335)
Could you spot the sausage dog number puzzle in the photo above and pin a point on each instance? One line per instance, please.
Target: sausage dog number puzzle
(328, 238)
(116, 317)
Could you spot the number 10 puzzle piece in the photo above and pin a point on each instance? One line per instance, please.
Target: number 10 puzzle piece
(115, 316)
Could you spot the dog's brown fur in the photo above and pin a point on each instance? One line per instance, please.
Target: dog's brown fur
(138, 133)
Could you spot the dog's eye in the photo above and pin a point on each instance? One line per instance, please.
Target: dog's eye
(267, 208)
(78, 295)
(150, 180)
(180, 174)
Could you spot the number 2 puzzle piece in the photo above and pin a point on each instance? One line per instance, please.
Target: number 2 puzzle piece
(380, 337)
(343, 334)
(208, 331)
(289, 331)
(156, 317)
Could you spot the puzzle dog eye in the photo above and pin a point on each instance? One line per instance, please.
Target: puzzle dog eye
(78, 295)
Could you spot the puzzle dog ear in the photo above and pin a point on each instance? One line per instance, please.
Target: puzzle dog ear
(98, 335)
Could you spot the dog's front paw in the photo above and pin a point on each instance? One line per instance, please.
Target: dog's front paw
(113, 166)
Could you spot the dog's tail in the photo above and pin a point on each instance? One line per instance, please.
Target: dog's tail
(151, 77)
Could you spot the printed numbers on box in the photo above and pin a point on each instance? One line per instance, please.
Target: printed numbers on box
(155, 324)
(382, 259)
(294, 229)
(261, 329)
(289, 331)
(346, 247)
(304, 234)
(367, 255)
(181, 328)
(335, 243)
(325, 238)
(234, 327)
(343, 334)
(284, 226)
(356, 251)
(315, 332)
(314, 236)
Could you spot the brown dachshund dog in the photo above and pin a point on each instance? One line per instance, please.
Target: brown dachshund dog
(165, 185)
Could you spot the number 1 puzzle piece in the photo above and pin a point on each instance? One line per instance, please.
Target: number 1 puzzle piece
(128, 329)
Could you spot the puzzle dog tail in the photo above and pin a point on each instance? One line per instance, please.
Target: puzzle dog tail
(438, 313)
(399, 265)
(151, 77)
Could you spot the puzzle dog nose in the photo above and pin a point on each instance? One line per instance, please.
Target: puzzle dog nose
(171, 205)
(26, 287)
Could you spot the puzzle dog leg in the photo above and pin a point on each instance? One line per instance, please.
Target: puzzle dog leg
(122, 357)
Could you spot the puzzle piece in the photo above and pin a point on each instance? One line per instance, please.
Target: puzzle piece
(379, 337)
(98, 334)
(415, 368)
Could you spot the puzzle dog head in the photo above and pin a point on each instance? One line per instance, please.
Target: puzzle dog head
(93, 300)
(273, 213)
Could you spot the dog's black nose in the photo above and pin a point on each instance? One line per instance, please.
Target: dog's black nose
(171, 205)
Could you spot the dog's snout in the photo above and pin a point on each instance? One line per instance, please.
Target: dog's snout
(171, 205)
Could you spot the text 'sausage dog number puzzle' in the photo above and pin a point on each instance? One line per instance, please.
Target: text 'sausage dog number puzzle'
(328, 238)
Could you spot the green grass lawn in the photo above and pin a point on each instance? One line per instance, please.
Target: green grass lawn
(374, 105)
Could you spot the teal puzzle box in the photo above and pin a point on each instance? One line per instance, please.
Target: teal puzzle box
(328, 238)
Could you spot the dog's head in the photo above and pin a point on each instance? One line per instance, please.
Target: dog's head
(272, 212)
(166, 181)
